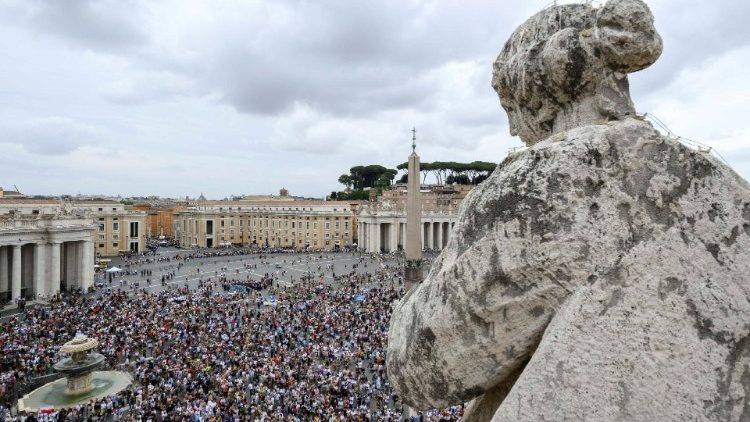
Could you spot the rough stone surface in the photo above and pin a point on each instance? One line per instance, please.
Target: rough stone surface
(568, 65)
(603, 274)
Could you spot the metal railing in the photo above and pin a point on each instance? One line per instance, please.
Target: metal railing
(691, 143)
(592, 3)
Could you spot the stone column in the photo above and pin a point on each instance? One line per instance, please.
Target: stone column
(79, 263)
(366, 234)
(363, 234)
(439, 236)
(385, 238)
(40, 272)
(382, 237)
(3, 269)
(430, 238)
(369, 237)
(27, 269)
(361, 241)
(71, 262)
(15, 283)
(86, 257)
(375, 238)
(54, 270)
(394, 236)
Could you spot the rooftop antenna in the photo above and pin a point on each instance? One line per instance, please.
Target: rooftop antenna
(414, 140)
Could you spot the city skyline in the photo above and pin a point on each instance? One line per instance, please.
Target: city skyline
(175, 99)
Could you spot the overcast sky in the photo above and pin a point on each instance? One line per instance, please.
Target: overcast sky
(176, 98)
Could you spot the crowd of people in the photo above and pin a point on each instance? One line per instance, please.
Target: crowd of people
(315, 353)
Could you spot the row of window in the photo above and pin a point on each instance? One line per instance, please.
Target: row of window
(286, 241)
(134, 229)
(115, 226)
(134, 246)
(274, 224)
(286, 226)
(307, 235)
(266, 209)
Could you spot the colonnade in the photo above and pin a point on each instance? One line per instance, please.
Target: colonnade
(42, 268)
(391, 236)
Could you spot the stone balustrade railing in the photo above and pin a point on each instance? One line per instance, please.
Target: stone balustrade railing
(426, 212)
(43, 222)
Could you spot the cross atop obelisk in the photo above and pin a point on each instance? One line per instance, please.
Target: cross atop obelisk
(413, 266)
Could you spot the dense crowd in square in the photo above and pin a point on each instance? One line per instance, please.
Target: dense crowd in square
(312, 349)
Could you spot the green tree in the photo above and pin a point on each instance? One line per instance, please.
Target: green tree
(442, 170)
(425, 169)
(346, 180)
(477, 168)
(460, 179)
(366, 176)
(355, 175)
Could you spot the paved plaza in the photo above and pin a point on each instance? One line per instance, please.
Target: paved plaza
(284, 268)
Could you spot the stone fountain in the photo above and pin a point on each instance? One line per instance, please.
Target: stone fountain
(79, 366)
(82, 382)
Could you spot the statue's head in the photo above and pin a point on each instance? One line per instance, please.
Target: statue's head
(567, 66)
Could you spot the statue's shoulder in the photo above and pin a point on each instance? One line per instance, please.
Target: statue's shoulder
(626, 164)
(536, 172)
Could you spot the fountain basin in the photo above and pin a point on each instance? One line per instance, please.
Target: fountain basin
(69, 366)
(55, 396)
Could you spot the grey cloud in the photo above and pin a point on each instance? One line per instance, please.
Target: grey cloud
(51, 136)
(352, 58)
(149, 87)
(100, 25)
(694, 32)
(491, 115)
(348, 58)
(263, 86)
(218, 86)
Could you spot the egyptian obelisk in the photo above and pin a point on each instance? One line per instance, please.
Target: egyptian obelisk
(413, 266)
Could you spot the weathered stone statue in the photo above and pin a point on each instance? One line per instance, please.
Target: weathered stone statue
(603, 274)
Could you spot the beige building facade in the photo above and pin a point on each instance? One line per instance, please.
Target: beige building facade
(116, 229)
(298, 224)
(119, 231)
